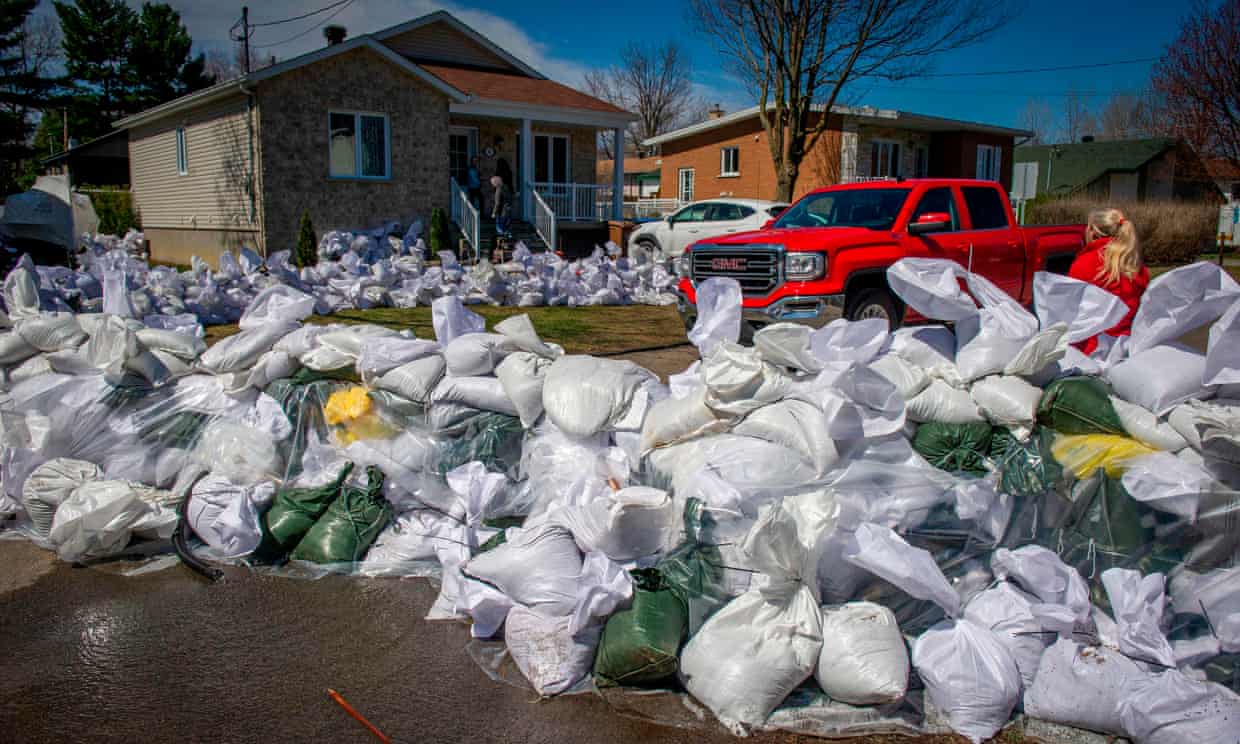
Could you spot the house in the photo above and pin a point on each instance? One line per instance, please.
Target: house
(1226, 176)
(104, 161)
(641, 176)
(729, 155)
(1115, 170)
(378, 128)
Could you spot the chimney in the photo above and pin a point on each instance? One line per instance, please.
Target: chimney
(334, 34)
(716, 112)
(1087, 138)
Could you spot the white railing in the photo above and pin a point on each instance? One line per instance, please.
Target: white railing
(466, 217)
(544, 220)
(576, 202)
(652, 207)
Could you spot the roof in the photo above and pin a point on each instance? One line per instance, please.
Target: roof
(498, 86)
(1078, 164)
(890, 117)
(632, 166)
(98, 147)
(1220, 169)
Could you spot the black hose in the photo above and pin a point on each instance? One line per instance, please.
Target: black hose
(180, 543)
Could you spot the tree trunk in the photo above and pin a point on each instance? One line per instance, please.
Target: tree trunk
(786, 182)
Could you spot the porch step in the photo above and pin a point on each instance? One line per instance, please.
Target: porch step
(519, 229)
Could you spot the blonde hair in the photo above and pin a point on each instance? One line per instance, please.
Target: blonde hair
(1121, 258)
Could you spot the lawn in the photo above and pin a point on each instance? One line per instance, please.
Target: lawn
(598, 329)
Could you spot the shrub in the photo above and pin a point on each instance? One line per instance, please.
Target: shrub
(114, 207)
(1168, 232)
(439, 231)
(307, 253)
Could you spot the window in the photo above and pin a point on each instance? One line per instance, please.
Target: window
(922, 168)
(988, 162)
(872, 208)
(182, 153)
(938, 200)
(358, 145)
(551, 158)
(730, 161)
(723, 213)
(985, 207)
(692, 213)
(884, 159)
(777, 210)
(685, 194)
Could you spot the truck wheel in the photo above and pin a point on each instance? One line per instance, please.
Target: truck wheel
(874, 303)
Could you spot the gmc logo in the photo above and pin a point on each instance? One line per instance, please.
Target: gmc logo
(728, 264)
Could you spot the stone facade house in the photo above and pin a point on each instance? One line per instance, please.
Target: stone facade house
(729, 155)
(375, 129)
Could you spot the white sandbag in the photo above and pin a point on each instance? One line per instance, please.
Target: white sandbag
(738, 380)
(1169, 484)
(100, 518)
(796, 425)
(240, 453)
(1180, 300)
(1223, 349)
(349, 339)
(933, 348)
(381, 354)
(520, 331)
(450, 320)
(50, 484)
(1085, 308)
(931, 287)
(278, 304)
(1170, 708)
(1006, 400)
(548, 654)
(407, 547)
(908, 378)
(301, 341)
(227, 517)
(482, 393)
(1145, 427)
(1082, 686)
(415, 380)
(863, 660)
(186, 323)
(241, 351)
(584, 395)
(941, 402)
(988, 342)
(848, 341)
(1215, 594)
(537, 567)
(751, 654)
(1008, 612)
(1138, 602)
(272, 366)
(1043, 574)
(787, 345)
(522, 374)
(326, 359)
(476, 354)
(1209, 427)
(631, 523)
(675, 420)
(178, 344)
(719, 314)
(21, 290)
(14, 349)
(1178, 379)
(32, 367)
(1040, 354)
(50, 332)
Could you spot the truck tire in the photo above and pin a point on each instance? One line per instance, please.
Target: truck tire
(874, 303)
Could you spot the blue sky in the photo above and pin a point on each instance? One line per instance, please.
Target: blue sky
(565, 39)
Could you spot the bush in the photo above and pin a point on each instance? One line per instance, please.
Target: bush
(307, 253)
(1168, 232)
(439, 231)
(114, 207)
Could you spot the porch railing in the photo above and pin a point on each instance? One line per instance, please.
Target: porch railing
(643, 208)
(576, 202)
(544, 220)
(466, 217)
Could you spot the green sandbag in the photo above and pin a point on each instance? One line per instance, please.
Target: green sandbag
(640, 645)
(694, 573)
(956, 448)
(1079, 405)
(1026, 468)
(494, 439)
(351, 524)
(294, 511)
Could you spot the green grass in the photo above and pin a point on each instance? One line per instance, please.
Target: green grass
(604, 329)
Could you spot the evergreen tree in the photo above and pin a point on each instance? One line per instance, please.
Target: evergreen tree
(19, 91)
(160, 60)
(307, 253)
(98, 38)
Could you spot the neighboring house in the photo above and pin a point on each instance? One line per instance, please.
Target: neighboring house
(641, 177)
(1226, 176)
(729, 155)
(1115, 170)
(374, 129)
(103, 161)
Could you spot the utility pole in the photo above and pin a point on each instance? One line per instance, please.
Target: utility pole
(64, 120)
(245, 38)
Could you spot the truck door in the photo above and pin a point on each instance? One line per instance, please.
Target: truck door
(997, 252)
(946, 243)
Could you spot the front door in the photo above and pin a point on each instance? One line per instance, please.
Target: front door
(462, 146)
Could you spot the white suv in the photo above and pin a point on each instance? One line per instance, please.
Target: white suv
(705, 219)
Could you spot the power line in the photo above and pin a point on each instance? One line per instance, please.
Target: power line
(298, 18)
(344, 4)
(1042, 69)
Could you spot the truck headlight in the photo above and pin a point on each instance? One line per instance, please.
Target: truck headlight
(802, 267)
(682, 266)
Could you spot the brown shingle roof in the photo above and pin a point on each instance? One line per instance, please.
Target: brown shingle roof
(517, 88)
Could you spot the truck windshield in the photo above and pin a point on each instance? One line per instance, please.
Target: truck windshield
(872, 208)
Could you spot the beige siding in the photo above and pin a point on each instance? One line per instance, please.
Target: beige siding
(439, 42)
(213, 195)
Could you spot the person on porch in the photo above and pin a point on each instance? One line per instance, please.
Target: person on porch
(501, 209)
(473, 183)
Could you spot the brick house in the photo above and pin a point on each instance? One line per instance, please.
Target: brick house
(729, 155)
(377, 128)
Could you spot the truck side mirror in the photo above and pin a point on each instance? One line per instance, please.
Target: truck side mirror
(768, 224)
(929, 222)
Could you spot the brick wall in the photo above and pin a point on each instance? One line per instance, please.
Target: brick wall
(954, 155)
(293, 135)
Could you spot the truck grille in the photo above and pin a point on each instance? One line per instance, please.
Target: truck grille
(757, 270)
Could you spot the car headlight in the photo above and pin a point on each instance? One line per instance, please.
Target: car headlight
(802, 267)
(682, 266)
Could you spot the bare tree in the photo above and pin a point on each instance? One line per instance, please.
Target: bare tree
(1126, 116)
(1038, 118)
(797, 56)
(1197, 79)
(228, 64)
(654, 82)
(1078, 121)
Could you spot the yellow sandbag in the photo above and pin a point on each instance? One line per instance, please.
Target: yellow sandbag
(1085, 453)
(350, 412)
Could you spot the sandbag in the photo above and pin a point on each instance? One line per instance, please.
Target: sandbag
(407, 547)
(1178, 379)
(1085, 453)
(640, 645)
(863, 659)
(241, 351)
(1170, 484)
(178, 344)
(630, 523)
(14, 349)
(674, 420)
(481, 393)
(1180, 300)
(294, 510)
(1043, 574)
(351, 523)
(241, 453)
(1079, 405)
(381, 354)
(1211, 428)
(476, 354)
(1082, 686)
(796, 425)
(942, 403)
(584, 395)
(1006, 400)
(99, 518)
(226, 516)
(908, 378)
(538, 567)
(522, 375)
(1138, 602)
(787, 345)
(519, 330)
(956, 448)
(50, 332)
(278, 304)
(932, 348)
(50, 484)
(414, 380)
(738, 380)
(1170, 708)
(1086, 309)
(719, 314)
(450, 320)
(1008, 613)
(547, 652)
(1144, 426)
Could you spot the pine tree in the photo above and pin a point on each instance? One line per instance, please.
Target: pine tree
(160, 61)
(19, 92)
(98, 38)
(307, 250)
(439, 231)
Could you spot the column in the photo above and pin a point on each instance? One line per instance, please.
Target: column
(526, 175)
(617, 176)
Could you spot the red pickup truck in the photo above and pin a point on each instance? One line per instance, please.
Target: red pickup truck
(826, 257)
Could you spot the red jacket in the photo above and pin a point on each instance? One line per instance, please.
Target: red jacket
(1087, 266)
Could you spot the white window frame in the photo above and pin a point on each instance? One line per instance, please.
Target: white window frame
(989, 162)
(357, 146)
(182, 152)
(684, 195)
(568, 157)
(724, 171)
(896, 162)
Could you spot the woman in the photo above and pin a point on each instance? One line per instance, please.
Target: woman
(1112, 261)
(501, 210)
(473, 182)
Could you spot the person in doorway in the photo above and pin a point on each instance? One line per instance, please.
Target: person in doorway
(1112, 260)
(501, 209)
(504, 171)
(473, 183)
